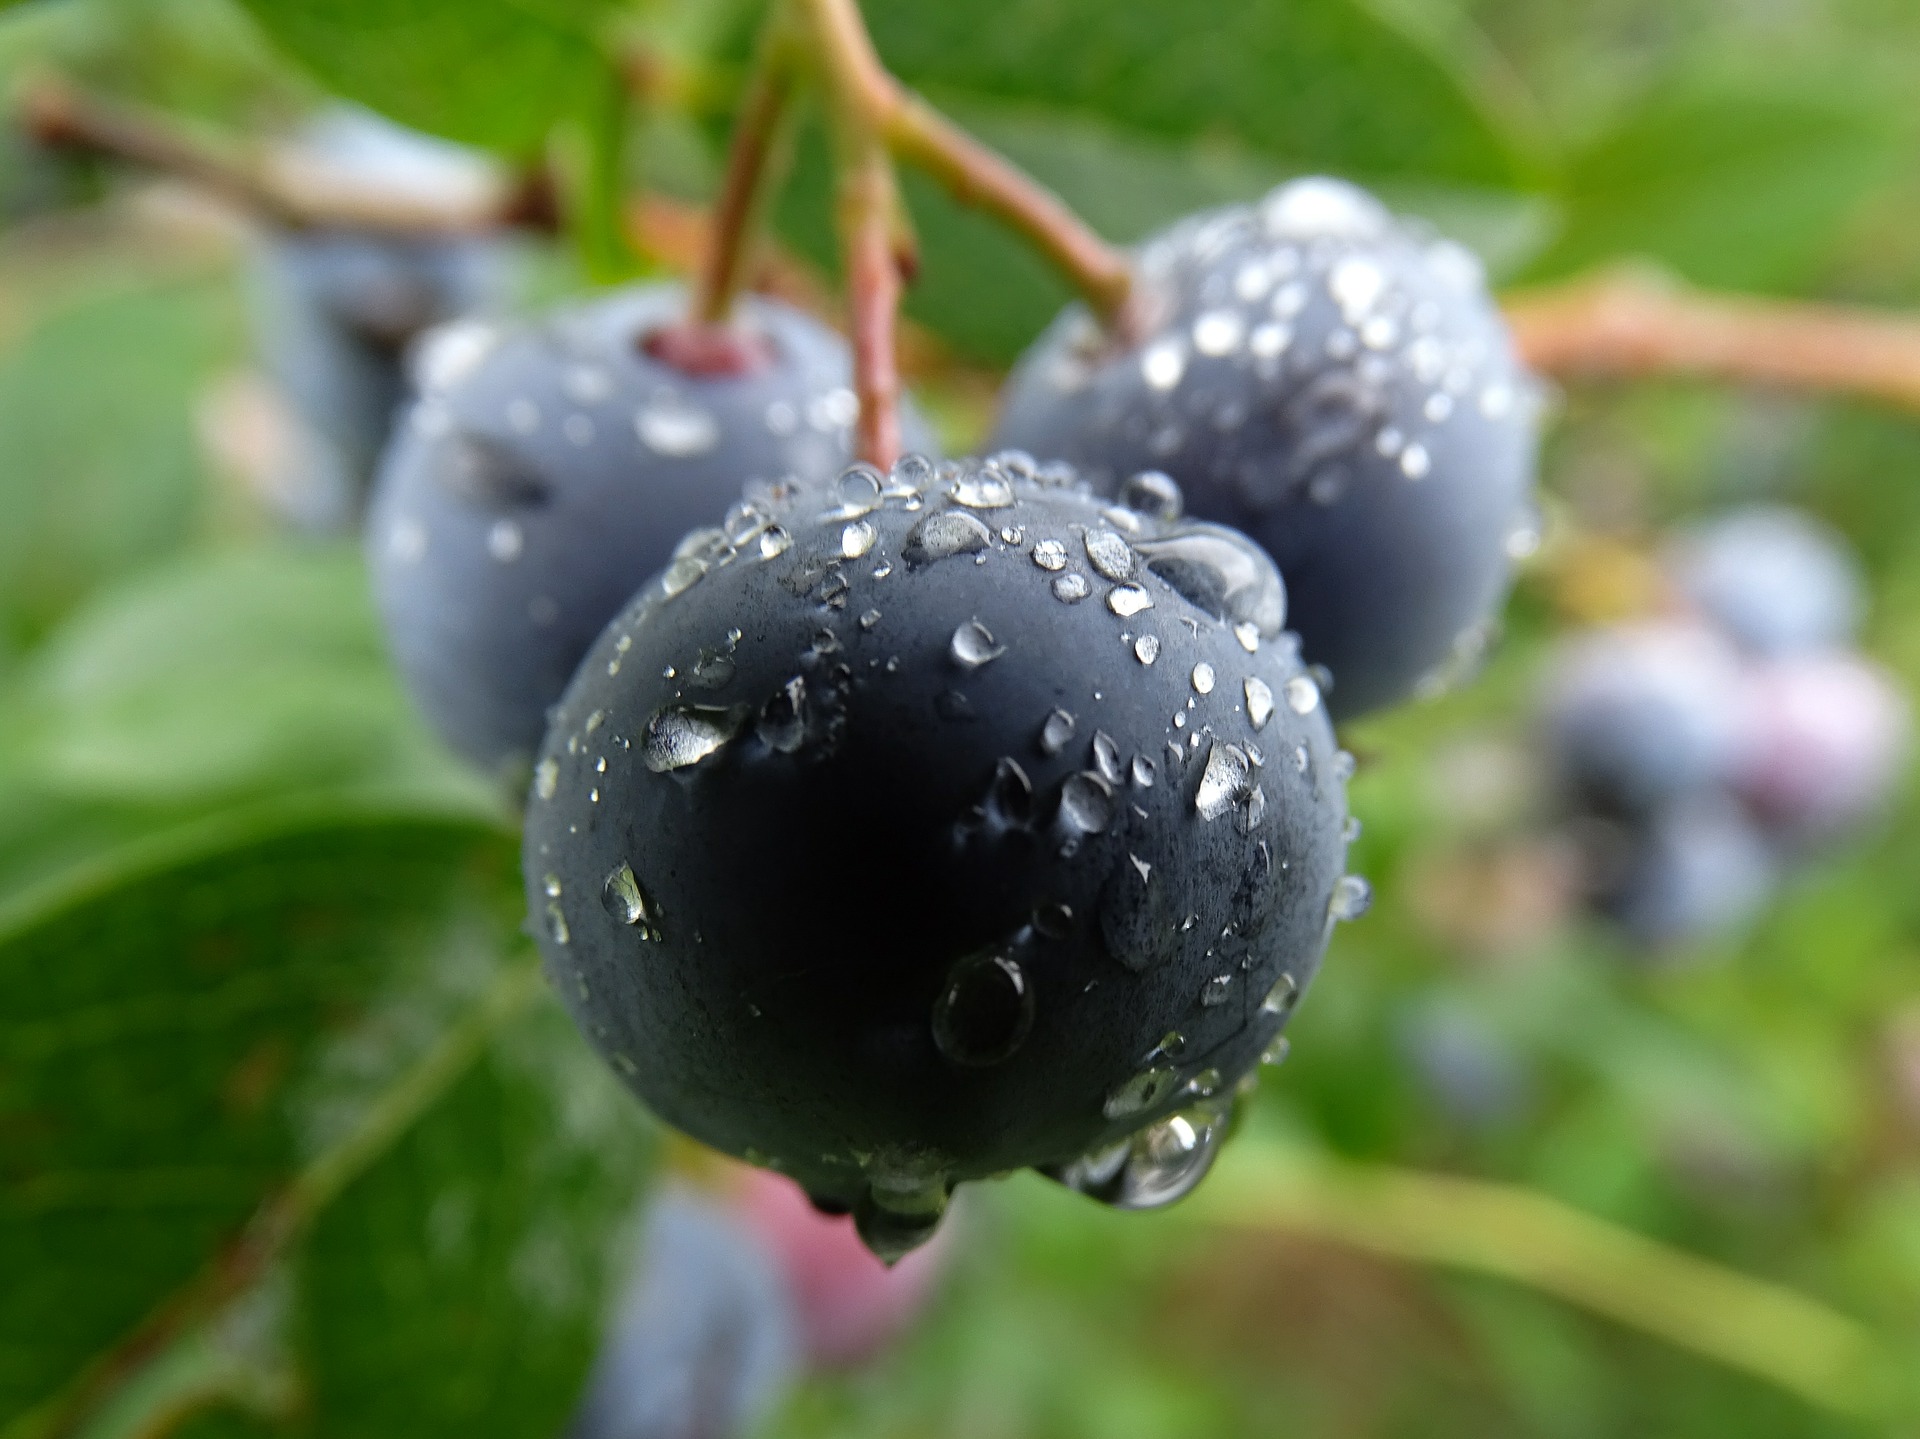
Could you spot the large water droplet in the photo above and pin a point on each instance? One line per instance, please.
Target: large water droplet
(1086, 803)
(979, 490)
(985, 1010)
(628, 903)
(1223, 782)
(973, 645)
(1071, 588)
(1146, 649)
(683, 735)
(856, 539)
(1153, 493)
(1302, 694)
(1055, 732)
(897, 1214)
(1009, 801)
(1109, 554)
(1281, 997)
(1128, 600)
(942, 535)
(1203, 678)
(1050, 555)
(1106, 757)
(1221, 572)
(546, 778)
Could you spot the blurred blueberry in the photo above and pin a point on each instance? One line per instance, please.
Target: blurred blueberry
(1827, 742)
(705, 1341)
(1775, 579)
(1698, 869)
(1470, 1071)
(1636, 716)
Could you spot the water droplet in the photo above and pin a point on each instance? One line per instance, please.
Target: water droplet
(1110, 555)
(1128, 600)
(713, 670)
(550, 884)
(1009, 801)
(858, 489)
(1221, 572)
(1277, 1051)
(985, 1010)
(1415, 461)
(1144, 772)
(557, 923)
(1071, 588)
(1055, 732)
(942, 535)
(1141, 868)
(1151, 1086)
(1152, 493)
(1203, 678)
(774, 542)
(1050, 555)
(1218, 332)
(1163, 363)
(683, 735)
(979, 490)
(628, 903)
(1106, 757)
(897, 1214)
(1249, 636)
(1146, 649)
(671, 426)
(1281, 998)
(1158, 1166)
(856, 539)
(972, 646)
(1351, 830)
(546, 778)
(1086, 803)
(1216, 991)
(869, 619)
(1352, 897)
(1302, 694)
(1259, 702)
(1255, 811)
(682, 575)
(1343, 765)
(911, 474)
(782, 724)
(1223, 782)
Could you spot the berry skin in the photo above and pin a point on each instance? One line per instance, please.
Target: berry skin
(1640, 715)
(1340, 386)
(1775, 579)
(923, 829)
(548, 469)
(1826, 743)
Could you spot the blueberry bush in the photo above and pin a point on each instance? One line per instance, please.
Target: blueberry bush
(574, 860)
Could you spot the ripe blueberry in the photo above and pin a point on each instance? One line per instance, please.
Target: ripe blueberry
(1774, 579)
(1339, 385)
(933, 824)
(548, 469)
(1692, 869)
(1827, 738)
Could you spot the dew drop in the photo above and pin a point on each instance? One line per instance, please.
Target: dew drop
(1009, 801)
(1071, 588)
(1223, 781)
(1055, 732)
(1216, 991)
(1218, 332)
(1086, 803)
(1302, 694)
(1415, 461)
(1163, 363)
(1343, 765)
(1281, 997)
(1259, 702)
(671, 426)
(1110, 555)
(1203, 678)
(856, 539)
(1352, 897)
(628, 903)
(1143, 771)
(1146, 649)
(1128, 600)
(774, 542)
(1050, 555)
(782, 724)
(943, 535)
(979, 490)
(1142, 1092)
(683, 735)
(546, 778)
(972, 646)
(985, 1010)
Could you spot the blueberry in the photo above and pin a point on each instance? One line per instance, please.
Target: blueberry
(1777, 580)
(1637, 716)
(1339, 385)
(1695, 869)
(548, 469)
(936, 824)
(705, 1340)
(1826, 741)
(333, 310)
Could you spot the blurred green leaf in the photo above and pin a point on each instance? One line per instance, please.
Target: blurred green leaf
(497, 73)
(1327, 85)
(99, 468)
(1740, 187)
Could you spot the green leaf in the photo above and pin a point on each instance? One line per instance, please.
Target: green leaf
(497, 73)
(99, 468)
(256, 672)
(1734, 186)
(336, 1022)
(1328, 84)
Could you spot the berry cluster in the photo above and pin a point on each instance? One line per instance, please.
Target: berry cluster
(1702, 752)
(898, 827)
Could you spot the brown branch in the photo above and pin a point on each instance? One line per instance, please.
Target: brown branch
(751, 167)
(284, 193)
(866, 215)
(1624, 324)
(971, 173)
